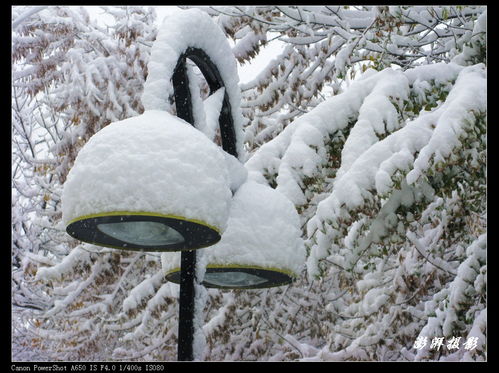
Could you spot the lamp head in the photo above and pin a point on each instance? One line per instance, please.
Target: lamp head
(151, 182)
(261, 247)
(239, 277)
(143, 231)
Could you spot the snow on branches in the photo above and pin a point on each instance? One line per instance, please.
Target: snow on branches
(372, 120)
(326, 46)
(393, 164)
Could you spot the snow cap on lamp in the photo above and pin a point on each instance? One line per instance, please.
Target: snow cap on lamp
(153, 167)
(261, 247)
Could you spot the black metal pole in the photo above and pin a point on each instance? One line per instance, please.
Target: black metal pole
(186, 307)
(183, 105)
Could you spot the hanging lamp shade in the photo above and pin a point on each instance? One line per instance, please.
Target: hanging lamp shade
(261, 247)
(150, 182)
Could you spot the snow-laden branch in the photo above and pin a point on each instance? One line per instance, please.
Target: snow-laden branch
(26, 15)
(366, 162)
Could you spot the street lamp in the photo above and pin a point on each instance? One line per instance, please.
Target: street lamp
(260, 248)
(150, 183)
(155, 183)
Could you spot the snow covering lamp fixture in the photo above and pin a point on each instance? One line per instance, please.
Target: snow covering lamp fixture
(151, 182)
(154, 182)
(261, 247)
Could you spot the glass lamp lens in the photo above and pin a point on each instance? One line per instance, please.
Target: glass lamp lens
(145, 233)
(241, 279)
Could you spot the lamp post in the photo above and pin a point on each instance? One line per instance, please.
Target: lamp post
(183, 104)
(93, 213)
(128, 188)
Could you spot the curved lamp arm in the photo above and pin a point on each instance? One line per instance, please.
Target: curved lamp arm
(193, 34)
(183, 101)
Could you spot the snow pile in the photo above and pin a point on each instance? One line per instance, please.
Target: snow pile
(237, 172)
(184, 29)
(154, 162)
(263, 230)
